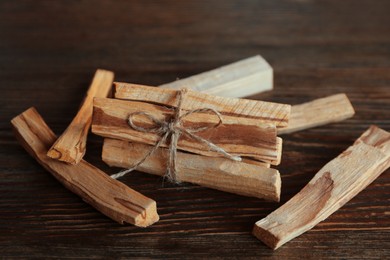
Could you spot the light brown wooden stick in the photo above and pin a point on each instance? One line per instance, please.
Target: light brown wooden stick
(265, 112)
(109, 196)
(318, 112)
(251, 139)
(263, 164)
(217, 173)
(239, 79)
(333, 186)
(70, 146)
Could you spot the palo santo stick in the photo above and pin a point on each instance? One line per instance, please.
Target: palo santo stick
(333, 186)
(109, 196)
(263, 164)
(264, 112)
(319, 112)
(70, 146)
(218, 173)
(242, 78)
(251, 139)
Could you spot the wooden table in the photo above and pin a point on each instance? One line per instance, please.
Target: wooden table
(49, 51)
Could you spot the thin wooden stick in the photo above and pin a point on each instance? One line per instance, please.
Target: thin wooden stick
(110, 197)
(240, 79)
(219, 173)
(333, 186)
(251, 139)
(319, 112)
(70, 146)
(264, 112)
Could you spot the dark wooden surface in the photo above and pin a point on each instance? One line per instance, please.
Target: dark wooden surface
(50, 49)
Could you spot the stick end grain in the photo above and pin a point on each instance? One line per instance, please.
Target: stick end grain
(109, 196)
(103, 80)
(65, 155)
(266, 236)
(278, 187)
(149, 217)
(141, 214)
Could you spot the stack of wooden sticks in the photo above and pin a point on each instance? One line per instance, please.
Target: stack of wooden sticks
(249, 129)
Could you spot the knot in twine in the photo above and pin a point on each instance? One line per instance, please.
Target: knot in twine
(175, 129)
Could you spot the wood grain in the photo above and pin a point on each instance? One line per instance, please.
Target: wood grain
(251, 138)
(241, 178)
(265, 112)
(334, 185)
(243, 78)
(319, 112)
(316, 48)
(107, 195)
(70, 147)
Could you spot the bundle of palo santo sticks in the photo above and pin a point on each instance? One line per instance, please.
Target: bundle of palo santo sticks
(205, 135)
(248, 129)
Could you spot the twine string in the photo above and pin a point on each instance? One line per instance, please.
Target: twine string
(175, 129)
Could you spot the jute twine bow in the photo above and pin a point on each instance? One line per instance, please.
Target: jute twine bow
(175, 129)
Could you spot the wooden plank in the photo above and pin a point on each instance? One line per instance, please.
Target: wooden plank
(70, 146)
(333, 186)
(251, 139)
(265, 112)
(219, 173)
(109, 196)
(239, 79)
(319, 112)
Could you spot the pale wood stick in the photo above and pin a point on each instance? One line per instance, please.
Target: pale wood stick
(217, 173)
(109, 196)
(333, 186)
(318, 112)
(264, 112)
(251, 139)
(70, 146)
(240, 79)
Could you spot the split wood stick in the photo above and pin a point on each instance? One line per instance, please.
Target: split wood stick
(109, 196)
(319, 112)
(237, 136)
(333, 186)
(263, 164)
(240, 79)
(70, 146)
(265, 112)
(219, 173)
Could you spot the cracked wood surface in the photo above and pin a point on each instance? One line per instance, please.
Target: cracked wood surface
(243, 178)
(334, 185)
(265, 112)
(95, 187)
(251, 138)
(49, 64)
